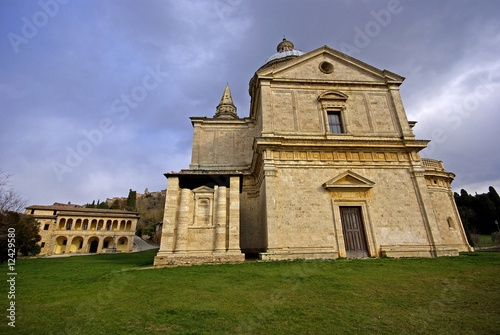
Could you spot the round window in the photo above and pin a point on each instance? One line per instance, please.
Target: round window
(326, 67)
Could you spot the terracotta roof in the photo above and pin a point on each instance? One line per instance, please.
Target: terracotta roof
(66, 210)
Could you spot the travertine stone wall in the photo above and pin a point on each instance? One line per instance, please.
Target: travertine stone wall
(296, 109)
(222, 144)
(72, 230)
(201, 225)
(297, 176)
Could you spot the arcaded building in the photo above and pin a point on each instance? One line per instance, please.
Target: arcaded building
(326, 165)
(70, 229)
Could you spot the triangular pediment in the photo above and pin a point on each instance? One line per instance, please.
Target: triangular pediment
(311, 66)
(203, 189)
(349, 181)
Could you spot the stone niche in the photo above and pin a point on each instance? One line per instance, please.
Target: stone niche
(201, 224)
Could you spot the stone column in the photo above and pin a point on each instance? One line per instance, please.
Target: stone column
(266, 117)
(400, 111)
(181, 231)
(234, 215)
(426, 208)
(167, 244)
(195, 161)
(271, 215)
(68, 245)
(84, 245)
(99, 246)
(220, 219)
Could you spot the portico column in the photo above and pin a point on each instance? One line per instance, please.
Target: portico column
(172, 197)
(84, 245)
(68, 245)
(234, 214)
(426, 208)
(220, 219)
(271, 210)
(99, 246)
(181, 230)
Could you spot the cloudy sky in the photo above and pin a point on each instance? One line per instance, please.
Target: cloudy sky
(96, 95)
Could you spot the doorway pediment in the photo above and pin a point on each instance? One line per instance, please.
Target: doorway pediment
(203, 189)
(348, 181)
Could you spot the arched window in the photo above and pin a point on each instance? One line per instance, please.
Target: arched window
(450, 223)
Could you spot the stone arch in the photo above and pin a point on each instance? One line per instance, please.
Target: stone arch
(100, 224)
(93, 225)
(60, 247)
(109, 225)
(76, 244)
(93, 244)
(115, 225)
(129, 225)
(78, 224)
(333, 96)
(122, 225)
(108, 243)
(62, 224)
(451, 225)
(85, 224)
(122, 244)
(69, 224)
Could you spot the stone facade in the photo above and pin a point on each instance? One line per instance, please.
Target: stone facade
(325, 166)
(70, 229)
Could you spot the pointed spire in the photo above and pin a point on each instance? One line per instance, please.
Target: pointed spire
(226, 107)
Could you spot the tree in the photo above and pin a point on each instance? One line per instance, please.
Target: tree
(131, 200)
(9, 199)
(115, 204)
(479, 212)
(495, 198)
(484, 214)
(25, 229)
(92, 205)
(102, 205)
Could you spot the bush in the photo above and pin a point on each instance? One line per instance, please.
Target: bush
(495, 237)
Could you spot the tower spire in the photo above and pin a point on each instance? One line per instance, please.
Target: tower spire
(226, 107)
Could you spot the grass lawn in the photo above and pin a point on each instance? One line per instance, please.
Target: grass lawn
(484, 241)
(111, 294)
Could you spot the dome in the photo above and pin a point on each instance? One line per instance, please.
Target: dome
(284, 54)
(285, 51)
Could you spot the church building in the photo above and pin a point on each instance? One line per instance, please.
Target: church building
(326, 165)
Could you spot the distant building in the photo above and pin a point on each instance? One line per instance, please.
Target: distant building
(147, 194)
(72, 229)
(325, 166)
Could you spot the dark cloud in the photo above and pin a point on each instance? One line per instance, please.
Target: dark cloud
(68, 82)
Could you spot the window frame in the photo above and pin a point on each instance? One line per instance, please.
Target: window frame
(340, 124)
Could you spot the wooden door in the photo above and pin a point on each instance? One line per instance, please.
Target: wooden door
(354, 232)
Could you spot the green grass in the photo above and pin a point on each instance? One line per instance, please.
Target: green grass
(110, 294)
(484, 241)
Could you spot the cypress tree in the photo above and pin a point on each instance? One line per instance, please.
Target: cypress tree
(131, 200)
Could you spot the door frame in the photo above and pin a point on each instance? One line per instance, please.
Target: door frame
(358, 226)
(365, 218)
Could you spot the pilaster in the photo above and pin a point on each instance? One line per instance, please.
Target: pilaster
(426, 208)
(234, 214)
(181, 229)
(220, 220)
(271, 209)
(170, 216)
(400, 112)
